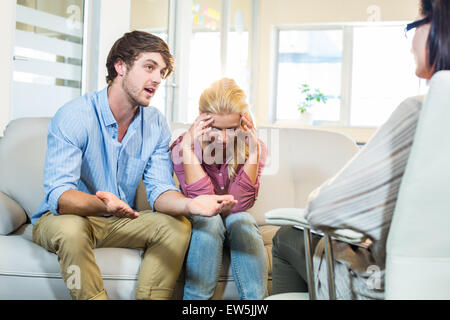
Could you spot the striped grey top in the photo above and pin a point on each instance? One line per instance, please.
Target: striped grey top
(362, 197)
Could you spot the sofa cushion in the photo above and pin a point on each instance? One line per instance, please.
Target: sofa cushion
(12, 215)
(22, 155)
(299, 161)
(25, 258)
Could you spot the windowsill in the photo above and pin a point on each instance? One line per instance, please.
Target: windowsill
(360, 134)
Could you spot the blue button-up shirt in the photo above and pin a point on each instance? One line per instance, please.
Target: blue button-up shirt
(83, 153)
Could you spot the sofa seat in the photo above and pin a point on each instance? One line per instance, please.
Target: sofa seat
(299, 161)
(32, 267)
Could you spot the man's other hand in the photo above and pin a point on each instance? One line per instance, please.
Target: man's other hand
(115, 206)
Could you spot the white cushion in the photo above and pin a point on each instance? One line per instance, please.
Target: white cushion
(22, 156)
(12, 216)
(287, 216)
(299, 161)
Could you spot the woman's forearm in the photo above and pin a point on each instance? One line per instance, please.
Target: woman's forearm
(251, 166)
(192, 168)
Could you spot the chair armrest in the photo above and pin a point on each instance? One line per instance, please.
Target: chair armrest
(287, 216)
(296, 217)
(12, 216)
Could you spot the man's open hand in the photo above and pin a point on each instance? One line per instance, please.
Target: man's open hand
(115, 206)
(210, 205)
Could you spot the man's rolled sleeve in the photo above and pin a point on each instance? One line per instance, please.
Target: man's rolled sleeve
(54, 195)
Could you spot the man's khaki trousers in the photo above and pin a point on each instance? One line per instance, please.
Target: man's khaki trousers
(163, 238)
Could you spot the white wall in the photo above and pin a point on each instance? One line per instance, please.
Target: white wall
(7, 25)
(114, 22)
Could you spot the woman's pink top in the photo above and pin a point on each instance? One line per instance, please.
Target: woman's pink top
(216, 180)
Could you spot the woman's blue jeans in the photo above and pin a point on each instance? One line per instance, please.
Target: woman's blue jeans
(239, 232)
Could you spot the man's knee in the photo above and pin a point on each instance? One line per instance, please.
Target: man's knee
(176, 227)
(70, 231)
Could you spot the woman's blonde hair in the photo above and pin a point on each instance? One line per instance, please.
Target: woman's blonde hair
(225, 97)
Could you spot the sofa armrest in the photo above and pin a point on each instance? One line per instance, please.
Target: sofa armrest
(12, 216)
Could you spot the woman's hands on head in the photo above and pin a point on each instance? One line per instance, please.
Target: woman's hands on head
(251, 137)
(201, 126)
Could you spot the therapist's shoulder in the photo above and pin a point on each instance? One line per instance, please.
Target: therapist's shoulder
(409, 107)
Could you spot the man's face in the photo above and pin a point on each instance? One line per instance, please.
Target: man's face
(141, 80)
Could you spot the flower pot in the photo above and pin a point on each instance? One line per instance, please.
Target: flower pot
(306, 118)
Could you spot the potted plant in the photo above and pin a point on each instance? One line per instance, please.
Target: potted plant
(309, 98)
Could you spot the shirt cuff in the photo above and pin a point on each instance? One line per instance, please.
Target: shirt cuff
(246, 184)
(200, 187)
(158, 191)
(54, 196)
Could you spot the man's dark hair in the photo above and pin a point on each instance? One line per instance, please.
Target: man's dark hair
(131, 45)
(438, 43)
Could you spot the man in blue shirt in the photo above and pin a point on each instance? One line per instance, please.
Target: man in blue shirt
(99, 147)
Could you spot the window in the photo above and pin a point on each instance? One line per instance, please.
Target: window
(365, 70)
(48, 56)
(205, 65)
(312, 57)
(209, 40)
(219, 47)
(153, 17)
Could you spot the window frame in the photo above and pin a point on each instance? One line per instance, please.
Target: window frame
(180, 29)
(346, 71)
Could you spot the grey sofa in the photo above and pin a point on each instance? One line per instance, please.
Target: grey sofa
(299, 161)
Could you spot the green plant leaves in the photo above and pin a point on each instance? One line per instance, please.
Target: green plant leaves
(309, 97)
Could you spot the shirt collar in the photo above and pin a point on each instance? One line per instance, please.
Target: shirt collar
(108, 117)
(105, 109)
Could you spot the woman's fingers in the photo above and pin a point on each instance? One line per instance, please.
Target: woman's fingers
(202, 117)
(249, 123)
(204, 124)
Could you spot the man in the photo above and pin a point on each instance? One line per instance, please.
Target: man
(99, 147)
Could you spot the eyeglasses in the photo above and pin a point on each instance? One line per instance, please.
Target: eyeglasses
(415, 24)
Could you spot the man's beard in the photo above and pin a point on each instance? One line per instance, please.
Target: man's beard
(133, 94)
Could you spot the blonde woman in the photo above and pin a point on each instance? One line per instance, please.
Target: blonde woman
(221, 154)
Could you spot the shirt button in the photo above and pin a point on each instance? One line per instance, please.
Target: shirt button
(221, 188)
(220, 174)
